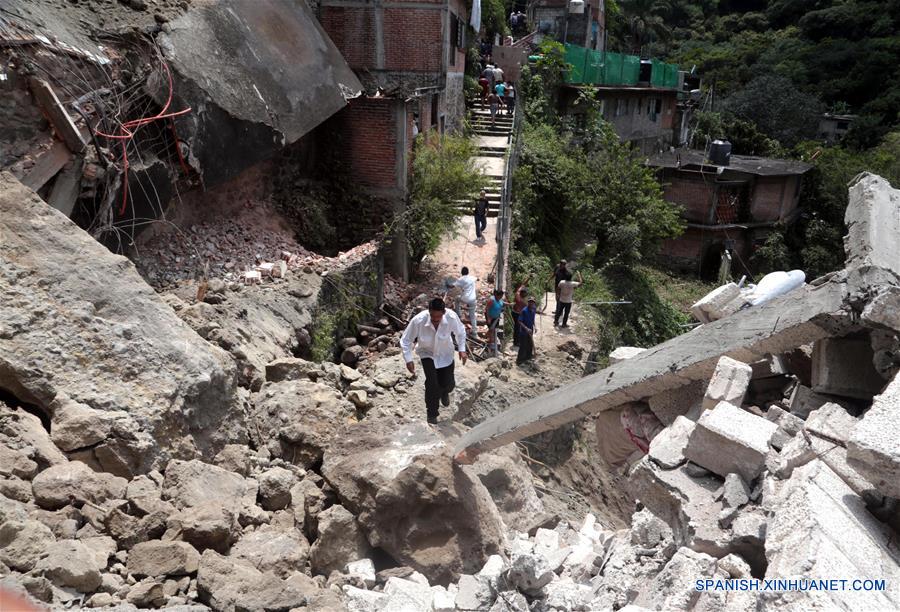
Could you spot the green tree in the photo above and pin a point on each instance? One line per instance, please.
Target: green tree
(647, 23)
(778, 108)
(443, 172)
(744, 136)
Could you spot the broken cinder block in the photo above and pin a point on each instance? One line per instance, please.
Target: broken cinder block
(252, 277)
(728, 439)
(669, 405)
(728, 383)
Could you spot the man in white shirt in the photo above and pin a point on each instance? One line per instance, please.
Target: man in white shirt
(432, 332)
(468, 297)
(566, 289)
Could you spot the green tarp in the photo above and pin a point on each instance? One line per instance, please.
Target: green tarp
(598, 68)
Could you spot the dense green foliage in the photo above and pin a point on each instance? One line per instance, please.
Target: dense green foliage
(844, 54)
(577, 182)
(443, 171)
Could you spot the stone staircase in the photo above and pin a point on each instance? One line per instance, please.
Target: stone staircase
(493, 143)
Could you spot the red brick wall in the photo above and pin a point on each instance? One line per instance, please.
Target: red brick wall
(413, 39)
(368, 141)
(693, 194)
(766, 202)
(352, 30)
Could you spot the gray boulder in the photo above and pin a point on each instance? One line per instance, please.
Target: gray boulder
(158, 558)
(69, 563)
(22, 543)
(192, 483)
(340, 541)
(297, 420)
(412, 500)
(211, 525)
(272, 550)
(64, 483)
(65, 291)
(275, 488)
(229, 585)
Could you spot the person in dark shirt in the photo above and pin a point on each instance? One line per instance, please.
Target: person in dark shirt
(560, 273)
(481, 206)
(526, 332)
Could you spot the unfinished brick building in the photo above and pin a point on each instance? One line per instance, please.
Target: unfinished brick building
(410, 57)
(734, 206)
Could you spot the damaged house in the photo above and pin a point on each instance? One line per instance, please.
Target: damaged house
(733, 206)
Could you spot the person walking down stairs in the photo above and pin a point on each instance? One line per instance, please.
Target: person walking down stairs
(481, 207)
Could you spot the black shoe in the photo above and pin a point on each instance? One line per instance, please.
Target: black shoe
(564, 325)
(445, 399)
(432, 420)
(555, 324)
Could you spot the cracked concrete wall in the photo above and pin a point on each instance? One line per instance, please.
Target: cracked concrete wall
(258, 76)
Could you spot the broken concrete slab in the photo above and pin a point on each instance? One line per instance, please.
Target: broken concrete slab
(270, 90)
(728, 383)
(821, 529)
(874, 445)
(728, 439)
(667, 448)
(65, 297)
(844, 366)
(831, 422)
(872, 223)
(713, 306)
(835, 456)
(807, 314)
(686, 504)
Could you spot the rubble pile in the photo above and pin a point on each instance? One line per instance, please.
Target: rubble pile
(226, 247)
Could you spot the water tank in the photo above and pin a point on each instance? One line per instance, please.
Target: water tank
(720, 152)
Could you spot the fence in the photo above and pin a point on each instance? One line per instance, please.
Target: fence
(591, 67)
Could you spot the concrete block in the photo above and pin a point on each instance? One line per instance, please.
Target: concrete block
(712, 306)
(831, 422)
(667, 448)
(624, 352)
(686, 504)
(728, 439)
(546, 542)
(669, 405)
(728, 383)
(874, 445)
(821, 529)
(795, 453)
(790, 423)
(844, 366)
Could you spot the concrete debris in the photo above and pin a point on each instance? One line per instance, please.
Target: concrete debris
(874, 445)
(728, 439)
(667, 448)
(728, 383)
(712, 306)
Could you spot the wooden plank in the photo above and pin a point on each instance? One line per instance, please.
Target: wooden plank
(67, 187)
(58, 116)
(47, 165)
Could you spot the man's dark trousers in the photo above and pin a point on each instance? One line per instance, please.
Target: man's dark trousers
(438, 381)
(562, 308)
(480, 224)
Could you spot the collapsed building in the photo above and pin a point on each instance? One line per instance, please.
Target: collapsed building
(772, 432)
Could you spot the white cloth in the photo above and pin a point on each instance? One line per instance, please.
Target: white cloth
(475, 15)
(466, 286)
(431, 343)
(567, 291)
